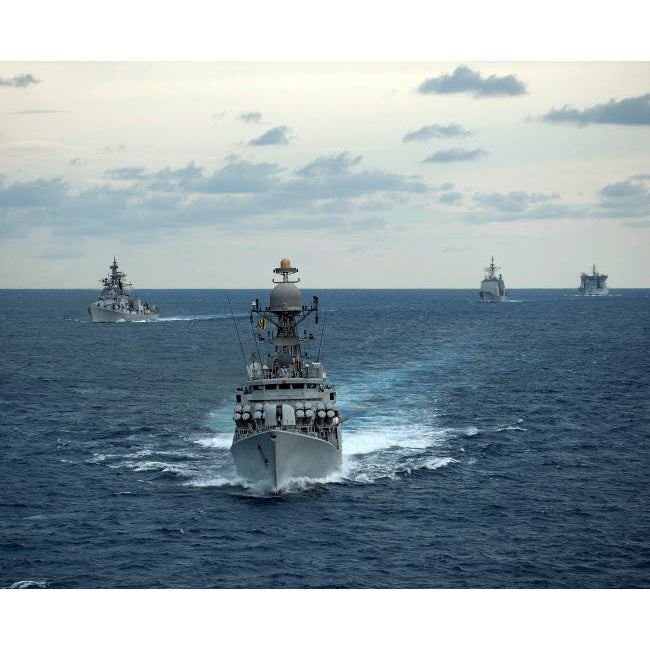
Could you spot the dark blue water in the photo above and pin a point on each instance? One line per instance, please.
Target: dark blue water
(488, 445)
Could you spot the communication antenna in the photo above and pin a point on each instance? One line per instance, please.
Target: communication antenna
(322, 332)
(237, 330)
(259, 356)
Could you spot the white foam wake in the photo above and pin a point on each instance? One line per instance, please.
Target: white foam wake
(29, 584)
(374, 448)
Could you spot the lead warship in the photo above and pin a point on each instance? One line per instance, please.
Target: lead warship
(493, 289)
(594, 284)
(287, 424)
(115, 304)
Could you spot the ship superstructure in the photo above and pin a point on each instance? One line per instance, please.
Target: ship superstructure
(593, 284)
(493, 288)
(287, 424)
(116, 304)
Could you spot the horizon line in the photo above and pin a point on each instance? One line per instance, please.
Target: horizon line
(312, 289)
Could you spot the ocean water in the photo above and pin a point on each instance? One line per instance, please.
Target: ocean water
(488, 445)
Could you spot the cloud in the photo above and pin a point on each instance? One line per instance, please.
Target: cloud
(37, 111)
(218, 116)
(633, 111)
(125, 173)
(251, 116)
(77, 162)
(626, 198)
(621, 201)
(237, 177)
(454, 155)
(277, 135)
(19, 81)
(437, 131)
(336, 175)
(42, 192)
(335, 190)
(466, 80)
(451, 198)
(330, 165)
(511, 202)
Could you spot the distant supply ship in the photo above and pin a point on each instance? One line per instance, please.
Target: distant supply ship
(594, 284)
(115, 304)
(493, 289)
(287, 424)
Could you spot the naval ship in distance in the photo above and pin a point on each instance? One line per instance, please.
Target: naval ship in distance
(594, 284)
(493, 288)
(287, 424)
(116, 304)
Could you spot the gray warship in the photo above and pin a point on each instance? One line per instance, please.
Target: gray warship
(493, 288)
(115, 304)
(594, 284)
(287, 425)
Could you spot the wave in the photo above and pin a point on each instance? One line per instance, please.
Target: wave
(168, 319)
(380, 441)
(374, 449)
(29, 584)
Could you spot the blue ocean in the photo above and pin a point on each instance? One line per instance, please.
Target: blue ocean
(487, 446)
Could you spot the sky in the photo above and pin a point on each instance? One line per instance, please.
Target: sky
(365, 174)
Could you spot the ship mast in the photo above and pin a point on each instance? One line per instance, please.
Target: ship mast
(285, 312)
(491, 269)
(116, 280)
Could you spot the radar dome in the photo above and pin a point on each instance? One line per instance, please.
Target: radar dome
(286, 297)
(285, 263)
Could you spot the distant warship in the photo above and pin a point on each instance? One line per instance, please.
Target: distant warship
(493, 289)
(594, 284)
(286, 422)
(115, 304)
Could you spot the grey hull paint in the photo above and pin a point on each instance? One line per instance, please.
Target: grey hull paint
(274, 457)
(490, 297)
(101, 315)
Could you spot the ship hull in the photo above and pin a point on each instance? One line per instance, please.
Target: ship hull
(487, 296)
(275, 457)
(594, 292)
(103, 315)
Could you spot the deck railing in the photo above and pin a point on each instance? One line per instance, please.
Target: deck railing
(326, 433)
